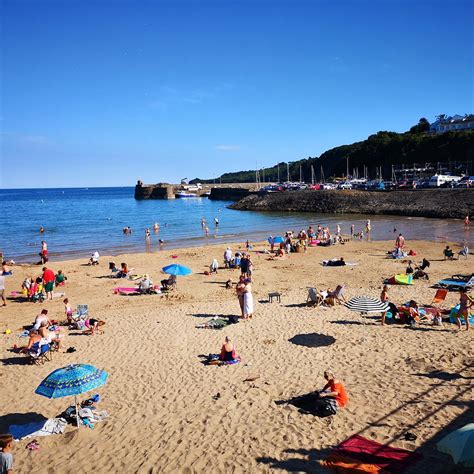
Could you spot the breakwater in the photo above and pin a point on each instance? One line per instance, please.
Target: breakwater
(440, 203)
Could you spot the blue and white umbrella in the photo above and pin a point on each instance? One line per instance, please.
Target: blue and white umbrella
(74, 380)
(177, 270)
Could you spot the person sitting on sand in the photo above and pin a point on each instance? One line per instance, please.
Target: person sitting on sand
(332, 397)
(169, 283)
(93, 326)
(465, 303)
(409, 269)
(122, 273)
(42, 320)
(94, 260)
(145, 284)
(60, 278)
(228, 351)
(448, 253)
(414, 313)
(214, 266)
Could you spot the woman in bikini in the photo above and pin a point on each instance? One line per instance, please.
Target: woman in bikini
(465, 303)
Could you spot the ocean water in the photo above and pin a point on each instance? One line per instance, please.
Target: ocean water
(78, 221)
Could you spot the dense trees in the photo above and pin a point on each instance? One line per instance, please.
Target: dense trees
(381, 149)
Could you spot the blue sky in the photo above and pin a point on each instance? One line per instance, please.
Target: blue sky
(105, 92)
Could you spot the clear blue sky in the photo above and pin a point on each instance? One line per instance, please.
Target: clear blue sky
(105, 92)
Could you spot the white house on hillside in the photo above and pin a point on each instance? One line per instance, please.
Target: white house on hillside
(456, 122)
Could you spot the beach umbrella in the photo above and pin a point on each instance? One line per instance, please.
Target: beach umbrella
(177, 270)
(366, 304)
(74, 379)
(276, 240)
(460, 445)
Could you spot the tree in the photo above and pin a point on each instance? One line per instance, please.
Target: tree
(421, 127)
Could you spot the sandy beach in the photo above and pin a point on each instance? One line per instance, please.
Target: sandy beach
(164, 416)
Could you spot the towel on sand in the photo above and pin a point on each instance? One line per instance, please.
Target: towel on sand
(38, 428)
(359, 454)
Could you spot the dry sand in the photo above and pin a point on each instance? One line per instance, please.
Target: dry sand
(160, 397)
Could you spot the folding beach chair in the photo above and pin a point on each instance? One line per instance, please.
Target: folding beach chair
(41, 355)
(338, 294)
(314, 297)
(440, 296)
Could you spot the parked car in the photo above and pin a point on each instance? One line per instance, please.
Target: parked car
(466, 182)
(344, 186)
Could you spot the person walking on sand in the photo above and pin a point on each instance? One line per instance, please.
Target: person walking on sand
(248, 299)
(2, 290)
(240, 288)
(465, 303)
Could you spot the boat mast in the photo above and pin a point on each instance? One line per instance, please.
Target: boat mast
(312, 174)
(278, 168)
(288, 171)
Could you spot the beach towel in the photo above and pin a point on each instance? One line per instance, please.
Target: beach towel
(370, 453)
(38, 428)
(454, 311)
(400, 279)
(121, 290)
(214, 323)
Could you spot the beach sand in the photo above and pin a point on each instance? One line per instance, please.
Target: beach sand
(164, 417)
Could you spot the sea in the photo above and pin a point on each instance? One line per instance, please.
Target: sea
(79, 221)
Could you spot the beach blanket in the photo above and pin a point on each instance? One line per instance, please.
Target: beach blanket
(400, 279)
(38, 428)
(121, 290)
(214, 359)
(359, 454)
(214, 323)
(454, 311)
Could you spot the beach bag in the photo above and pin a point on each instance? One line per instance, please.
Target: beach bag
(234, 319)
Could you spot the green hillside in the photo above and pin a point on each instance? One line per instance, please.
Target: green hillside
(382, 149)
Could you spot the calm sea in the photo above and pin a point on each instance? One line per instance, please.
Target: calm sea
(81, 220)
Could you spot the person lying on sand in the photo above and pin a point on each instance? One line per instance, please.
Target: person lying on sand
(332, 397)
(334, 263)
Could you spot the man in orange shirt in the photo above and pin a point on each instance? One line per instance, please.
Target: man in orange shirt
(332, 396)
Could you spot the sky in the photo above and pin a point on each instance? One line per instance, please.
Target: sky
(102, 93)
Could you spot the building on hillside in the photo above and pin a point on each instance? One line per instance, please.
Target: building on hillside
(455, 123)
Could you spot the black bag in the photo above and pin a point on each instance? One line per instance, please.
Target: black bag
(233, 319)
(324, 407)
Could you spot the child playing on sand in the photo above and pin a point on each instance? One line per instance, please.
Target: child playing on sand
(465, 303)
(67, 310)
(6, 457)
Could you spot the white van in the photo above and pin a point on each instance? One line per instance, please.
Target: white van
(439, 179)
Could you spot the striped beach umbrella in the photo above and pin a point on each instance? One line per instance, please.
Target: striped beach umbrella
(74, 379)
(366, 304)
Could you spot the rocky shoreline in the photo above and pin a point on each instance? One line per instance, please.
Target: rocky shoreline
(438, 203)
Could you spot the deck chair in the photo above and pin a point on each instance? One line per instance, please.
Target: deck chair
(440, 296)
(170, 283)
(40, 353)
(314, 297)
(338, 294)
